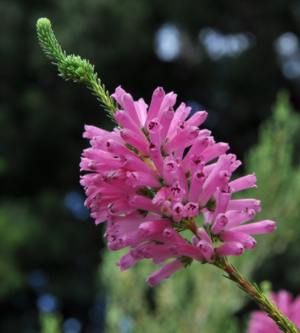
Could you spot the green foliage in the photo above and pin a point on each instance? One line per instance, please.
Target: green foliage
(50, 323)
(17, 227)
(276, 163)
(198, 298)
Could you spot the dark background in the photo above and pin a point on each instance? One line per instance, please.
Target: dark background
(228, 57)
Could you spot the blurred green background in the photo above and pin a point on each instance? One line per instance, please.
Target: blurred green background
(231, 58)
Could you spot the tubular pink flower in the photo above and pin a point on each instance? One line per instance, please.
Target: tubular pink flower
(197, 119)
(154, 174)
(243, 183)
(246, 240)
(206, 249)
(219, 224)
(260, 322)
(165, 272)
(197, 181)
(230, 249)
(214, 151)
(179, 117)
(244, 204)
(262, 227)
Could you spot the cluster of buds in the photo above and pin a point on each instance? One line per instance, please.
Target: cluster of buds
(157, 175)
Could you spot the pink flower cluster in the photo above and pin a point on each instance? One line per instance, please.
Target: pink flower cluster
(154, 174)
(261, 323)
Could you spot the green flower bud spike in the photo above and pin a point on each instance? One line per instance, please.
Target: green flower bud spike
(72, 67)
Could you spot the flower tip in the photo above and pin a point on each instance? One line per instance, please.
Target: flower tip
(43, 22)
(239, 249)
(203, 115)
(127, 97)
(119, 92)
(270, 225)
(225, 145)
(151, 281)
(206, 250)
(159, 91)
(250, 244)
(224, 175)
(126, 262)
(168, 233)
(220, 223)
(122, 268)
(164, 272)
(257, 206)
(251, 213)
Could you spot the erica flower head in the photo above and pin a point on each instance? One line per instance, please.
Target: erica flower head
(163, 184)
(261, 323)
(159, 173)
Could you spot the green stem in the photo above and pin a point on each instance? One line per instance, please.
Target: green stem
(73, 67)
(257, 295)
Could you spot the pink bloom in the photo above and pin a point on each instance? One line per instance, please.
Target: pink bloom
(261, 323)
(164, 272)
(154, 174)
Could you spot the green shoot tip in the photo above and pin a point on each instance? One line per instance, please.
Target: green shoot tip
(43, 22)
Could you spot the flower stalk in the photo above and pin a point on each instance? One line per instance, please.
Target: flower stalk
(254, 292)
